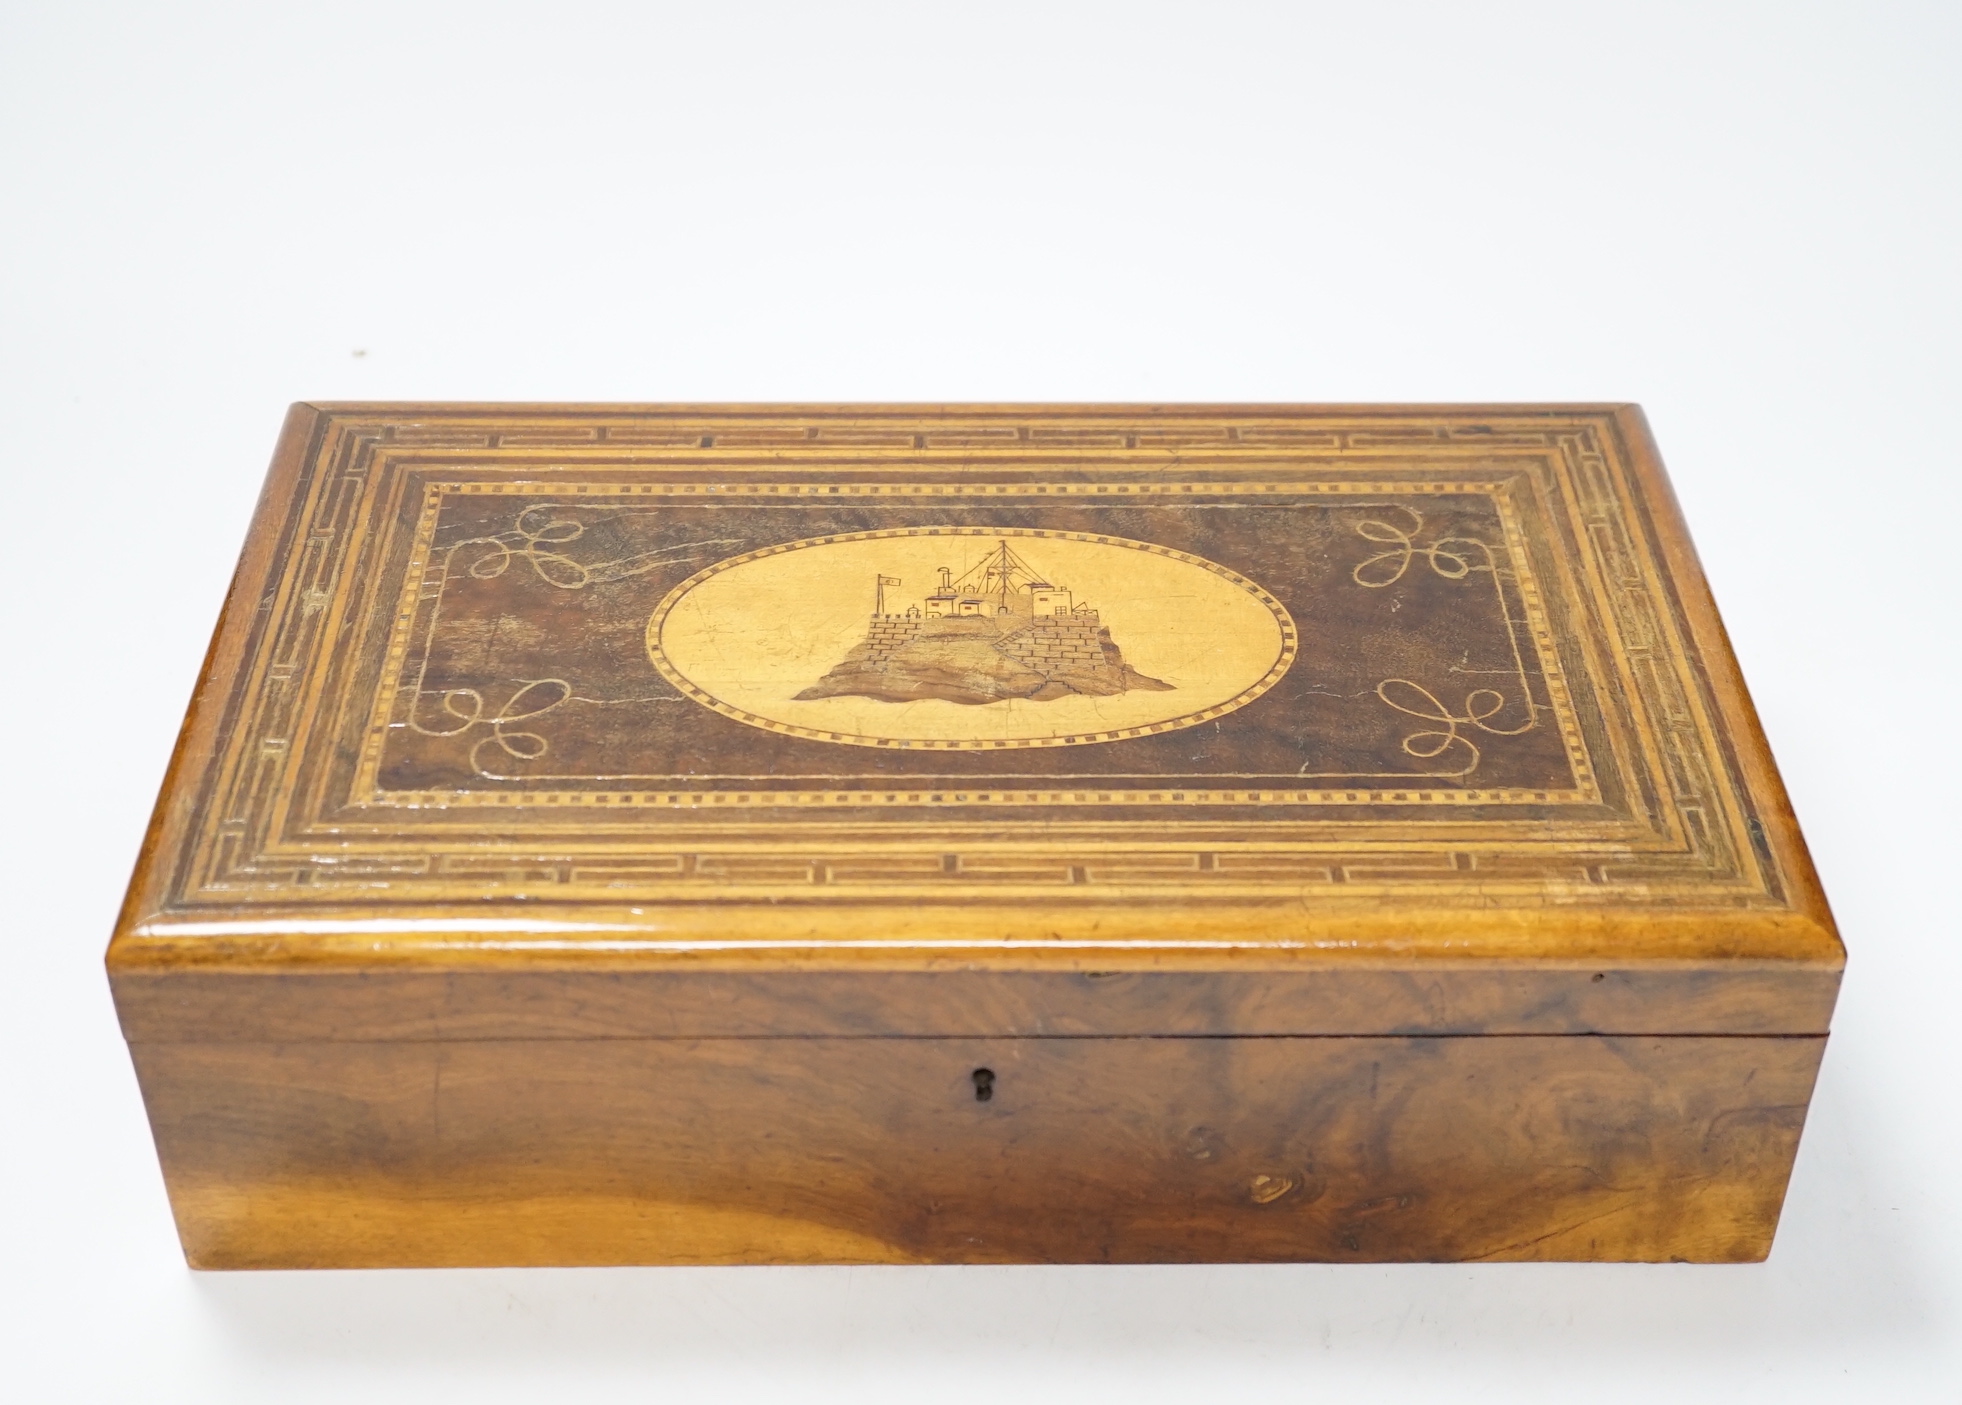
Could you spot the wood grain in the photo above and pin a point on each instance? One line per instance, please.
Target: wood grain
(876, 1150)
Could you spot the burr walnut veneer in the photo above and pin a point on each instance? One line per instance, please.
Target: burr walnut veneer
(724, 834)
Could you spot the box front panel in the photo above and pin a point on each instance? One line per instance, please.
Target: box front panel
(976, 1151)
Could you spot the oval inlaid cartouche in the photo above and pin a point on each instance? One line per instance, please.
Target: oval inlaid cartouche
(970, 637)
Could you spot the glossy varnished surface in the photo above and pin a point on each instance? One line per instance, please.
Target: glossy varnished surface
(491, 914)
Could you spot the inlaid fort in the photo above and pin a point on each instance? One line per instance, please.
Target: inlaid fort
(1000, 630)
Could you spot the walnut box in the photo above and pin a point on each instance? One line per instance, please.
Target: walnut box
(780, 834)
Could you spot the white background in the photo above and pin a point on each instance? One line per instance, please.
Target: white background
(1743, 216)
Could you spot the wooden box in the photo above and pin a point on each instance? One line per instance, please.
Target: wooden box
(723, 834)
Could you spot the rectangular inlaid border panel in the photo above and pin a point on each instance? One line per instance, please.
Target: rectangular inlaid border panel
(427, 574)
(278, 822)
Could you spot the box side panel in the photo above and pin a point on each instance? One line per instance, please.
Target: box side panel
(1085, 1150)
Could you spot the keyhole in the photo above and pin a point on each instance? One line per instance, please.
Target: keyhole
(984, 1084)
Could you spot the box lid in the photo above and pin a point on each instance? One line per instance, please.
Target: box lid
(698, 720)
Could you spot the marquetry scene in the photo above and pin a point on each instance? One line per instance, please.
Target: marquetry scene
(1000, 651)
(1001, 631)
